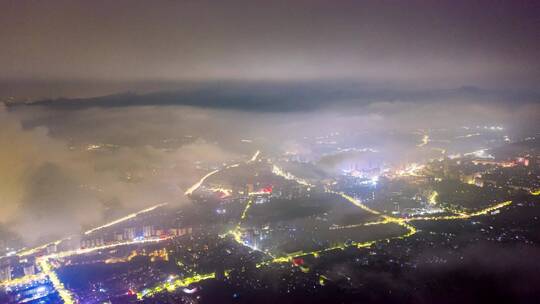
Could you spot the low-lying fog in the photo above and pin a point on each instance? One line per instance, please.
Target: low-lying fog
(64, 168)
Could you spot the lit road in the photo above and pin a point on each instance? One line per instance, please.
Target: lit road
(236, 233)
(201, 181)
(425, 141)
(286, 175)
(255, 156)
(44, 262)
(47, 268)
(125, 218)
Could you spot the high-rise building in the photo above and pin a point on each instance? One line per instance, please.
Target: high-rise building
(148, 231)
(72, 244)
(5, 273)
(52, 249)
(29, 269)
(129, 233)
(252, 237)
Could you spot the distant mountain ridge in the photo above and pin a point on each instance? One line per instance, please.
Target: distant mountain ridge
(271, 97)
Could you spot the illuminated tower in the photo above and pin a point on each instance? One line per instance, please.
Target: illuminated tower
(129, 233)
(29, 269)
(148, 231)
(5, 273)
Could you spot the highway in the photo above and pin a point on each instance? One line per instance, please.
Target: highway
(48, 269)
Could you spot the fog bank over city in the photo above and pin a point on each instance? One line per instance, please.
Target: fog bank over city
(255, 151)
(72, 163)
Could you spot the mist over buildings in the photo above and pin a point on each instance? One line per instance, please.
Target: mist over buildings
(213, 82)
(66, 168)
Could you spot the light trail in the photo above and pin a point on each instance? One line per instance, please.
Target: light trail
(337, 227)
(411, 170)
(226, 192)
(109, 246)
(47, 269)
(490, 209)
(323, 279)
(199, 183)
(289, 257)
(480, 154)
(125, 218)
(356, 202)
(461, 215)
(386, 220)
(432, 200)
(255, 193)
(403, 221)
(244, 213)
(286, 175)
(255, 156)
(23, 280)
(130, 216)
(411, 230)
(425, 141)
(39, 248)
(468, 135)
(172, 286)
(236, 233)
(535, 192)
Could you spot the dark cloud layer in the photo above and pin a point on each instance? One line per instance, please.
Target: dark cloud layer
(293, 96)
(100, 46)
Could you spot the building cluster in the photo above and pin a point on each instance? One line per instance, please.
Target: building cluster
(515, 173)
(131, 234)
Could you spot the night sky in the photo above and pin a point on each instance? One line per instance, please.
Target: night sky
(90, 48)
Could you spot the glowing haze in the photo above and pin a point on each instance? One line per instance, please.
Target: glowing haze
(216, 81)
(97, 47)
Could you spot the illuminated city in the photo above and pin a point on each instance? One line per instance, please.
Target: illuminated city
(262, 152)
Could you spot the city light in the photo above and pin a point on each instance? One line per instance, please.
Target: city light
(425, 141)
(25, 280)
(286, 175)
(254, 157)
(269, 151)
(199, 183)
(48, 270)
(237, 234)
(125, 218)
(172, 286)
